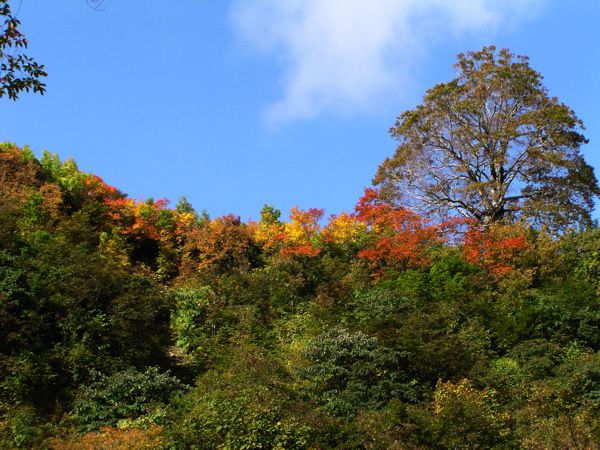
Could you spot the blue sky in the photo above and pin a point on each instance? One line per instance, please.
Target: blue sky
(241, 103)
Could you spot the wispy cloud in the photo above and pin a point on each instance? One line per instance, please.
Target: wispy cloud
(341, 55)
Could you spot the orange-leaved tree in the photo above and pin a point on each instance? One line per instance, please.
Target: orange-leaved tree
(219, 246)
(495, 248)
(399, 237)
(302, 232)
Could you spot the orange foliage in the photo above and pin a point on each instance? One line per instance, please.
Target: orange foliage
(99, 190)
(52, 199)
(141, 218)
(494, 248)
(399, 235)
(185, 221)
(221, 245)
(301, 250)
(17, 177)
(148, 218)
(19, 182)
(14, 171)
(120, 210)
(112, 439)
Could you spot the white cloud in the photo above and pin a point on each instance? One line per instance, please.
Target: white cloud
(342, 55)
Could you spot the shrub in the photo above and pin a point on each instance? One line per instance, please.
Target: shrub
(127, 394)
(246, 406)
(348, 371)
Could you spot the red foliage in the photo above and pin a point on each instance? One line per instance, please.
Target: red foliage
(301, 250)
(98, 189)
(400, 236)
(141, 218)
(494, 248)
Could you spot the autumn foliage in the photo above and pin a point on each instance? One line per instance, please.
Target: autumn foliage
(366, 329)
(495, 248)
(302, 232)
(22, 184)
(344, 229)
(398, 235)
(221, 245)
(108, 438)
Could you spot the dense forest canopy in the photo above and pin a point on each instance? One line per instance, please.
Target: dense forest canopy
(131, 324)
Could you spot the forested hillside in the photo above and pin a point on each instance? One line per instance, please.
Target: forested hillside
(457, 305)
(136, 324)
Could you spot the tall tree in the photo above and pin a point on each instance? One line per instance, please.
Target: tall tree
(492, 145)
(18, 72)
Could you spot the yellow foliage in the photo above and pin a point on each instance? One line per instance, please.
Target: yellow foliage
(267, 235)
(303, 225)
(186, 219)
(344, 229)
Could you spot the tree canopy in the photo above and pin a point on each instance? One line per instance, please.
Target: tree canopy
(492, 145)
(128, 324)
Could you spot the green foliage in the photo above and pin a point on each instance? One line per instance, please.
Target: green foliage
(450, 278)
(247, 405)
(184, 206)
(561, 312)
(311, 348)
(379, 308)
(462, 417)
(562, 411)
(65, 312)
(201, 324)
(578, 381)
(537, 358)
(129, 394)
(438, 338)
(18, 72)
(580, 255)
(348, 371)
(67, 176)
(269, 215)
(10, 276)
(275, 289)
(20, 428)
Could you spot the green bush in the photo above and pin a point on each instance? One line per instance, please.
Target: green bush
(202, 324)
(244, 406)
(348, 371)
(461, 416)
(124, 395)
(20, 427)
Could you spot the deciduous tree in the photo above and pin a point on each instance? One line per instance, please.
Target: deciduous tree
(492, 145)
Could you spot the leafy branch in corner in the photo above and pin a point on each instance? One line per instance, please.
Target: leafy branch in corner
(18, 72)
